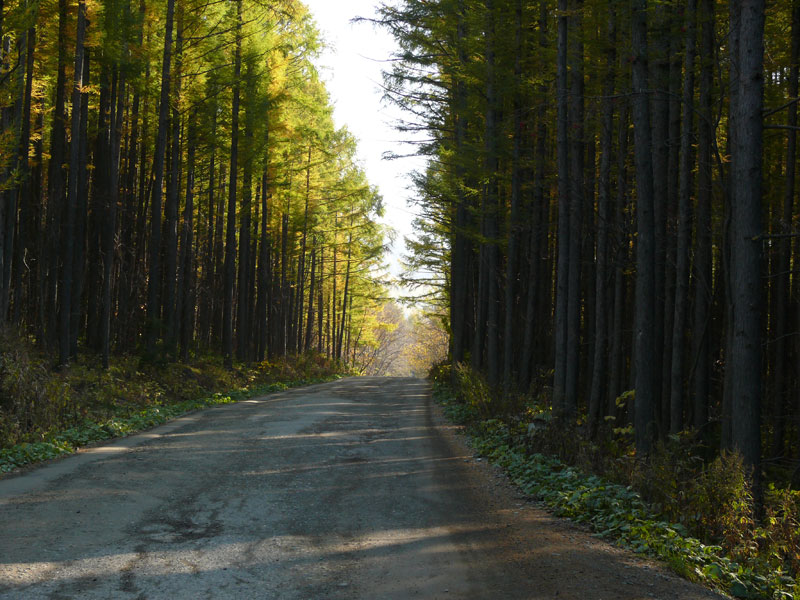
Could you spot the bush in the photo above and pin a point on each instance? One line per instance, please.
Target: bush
(696, 515)
(37, 402)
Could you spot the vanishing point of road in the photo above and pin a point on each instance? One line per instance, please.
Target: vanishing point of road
(346, 490)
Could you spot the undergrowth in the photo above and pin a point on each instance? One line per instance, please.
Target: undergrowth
(46, 413)
(694, 514)
(57, 443)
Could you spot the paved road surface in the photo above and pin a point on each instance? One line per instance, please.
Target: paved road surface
(353, 489)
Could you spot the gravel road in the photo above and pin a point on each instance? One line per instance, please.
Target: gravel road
(352, 489)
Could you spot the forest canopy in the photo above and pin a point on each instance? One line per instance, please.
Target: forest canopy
(172, 182)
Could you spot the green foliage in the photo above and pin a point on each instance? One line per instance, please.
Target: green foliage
(69, 440)
(618, 512)
(45, 414)
(472, 390)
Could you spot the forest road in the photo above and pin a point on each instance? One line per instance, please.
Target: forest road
(352, 489)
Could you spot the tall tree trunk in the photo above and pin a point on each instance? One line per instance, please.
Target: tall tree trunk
(110, 213)
(659, 61)
(186, 283)
(343, 321)
(55, 180)
(460, 244)
(169, 311)
(562, 270)
(599, 370)
(230, 237)
(301, 275)
(23, 258)
(263, 272)
(780, 376)
(703, 256)
(538, 231)
(646, 351)
(154, 281)
(684, 224)
(616, 369)
(312, 282)
(64, 334)
(515, 227)
(492, 215)
(576, 195)
(745, 360)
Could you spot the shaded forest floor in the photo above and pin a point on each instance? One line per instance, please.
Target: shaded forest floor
(697, 515)
(45, 412)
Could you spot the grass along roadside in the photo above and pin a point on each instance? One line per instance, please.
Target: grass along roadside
(615, 512)
(68, 441)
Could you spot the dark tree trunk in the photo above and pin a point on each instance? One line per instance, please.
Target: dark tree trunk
(230, 234)
(69, 242)
(780, 376)
(459, 272)
(491, 216)
(312, 282)
(301, 268)
(659, 62)
(684, 224)
(515, 226)
(745, 360)
(169, 311)
(186, 275)
(599, 367)
(576, 195)
(616, 368)
(154, 280)
(646, 350)
(562, 235)
(703, 257)
(264, 274)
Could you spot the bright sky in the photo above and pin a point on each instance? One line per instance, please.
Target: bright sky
(351, 68)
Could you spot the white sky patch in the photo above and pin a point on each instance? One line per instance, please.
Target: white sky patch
(351, 68)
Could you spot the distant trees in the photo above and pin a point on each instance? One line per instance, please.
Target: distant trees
(171, 182)
(595, 180)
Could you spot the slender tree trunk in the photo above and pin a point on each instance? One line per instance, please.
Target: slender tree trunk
(186, 284)
(745, 360)
(703, 255)
(576, 194)
(72, 195)
(684, 224)
(599, 367)
(230, 237)
(646, 350)
(539, 230)
(170, 314)
(780, 376)
(343, 320)
(616, 369)
(459, 255)
(321, 300)
(515, 227)
(23, 255)
(562, 272)
(312, 283)
(154, 280)
(659, 61)
(301, 275)
(263, 272)
(493, 359)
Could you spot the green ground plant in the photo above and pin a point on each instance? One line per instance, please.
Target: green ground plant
(693, 511)
(45, 413)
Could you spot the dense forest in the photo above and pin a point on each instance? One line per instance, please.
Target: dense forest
(172, 182)
(610, 205)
